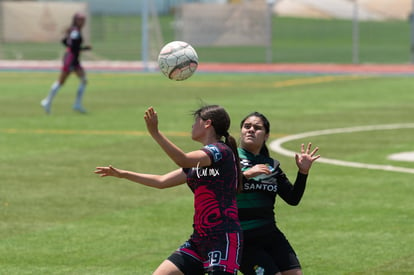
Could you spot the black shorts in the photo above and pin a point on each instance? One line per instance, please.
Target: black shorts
(71, 62)
(212, 255)
(271, 252)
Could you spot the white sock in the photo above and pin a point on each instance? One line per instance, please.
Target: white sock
(81, 90)
(53, 91)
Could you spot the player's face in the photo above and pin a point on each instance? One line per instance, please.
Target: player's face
(253, 134)
(198, 129)
(80, 21)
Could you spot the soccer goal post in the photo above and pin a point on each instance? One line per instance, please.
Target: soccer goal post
(151, 35)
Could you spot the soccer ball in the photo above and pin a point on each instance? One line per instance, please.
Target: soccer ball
(178, 60)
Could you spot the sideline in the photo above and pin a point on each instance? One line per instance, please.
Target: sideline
(276, 146)
(211, 67)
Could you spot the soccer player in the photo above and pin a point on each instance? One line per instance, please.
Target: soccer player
(73, 42)
(212, 173)
(266, 250)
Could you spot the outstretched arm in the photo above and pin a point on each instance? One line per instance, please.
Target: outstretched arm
(182, 159)
(305, 159)
(292, 193)
(170, 179)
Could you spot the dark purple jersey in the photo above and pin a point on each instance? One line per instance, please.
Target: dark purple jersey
(215, 189)
(73, 41)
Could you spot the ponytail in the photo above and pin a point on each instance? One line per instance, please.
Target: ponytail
(231, 142)
(220, 120)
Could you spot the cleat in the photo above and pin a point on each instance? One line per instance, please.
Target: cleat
(46, 105)
(79, 109)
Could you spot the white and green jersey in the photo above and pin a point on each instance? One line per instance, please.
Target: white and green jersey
(257, 199)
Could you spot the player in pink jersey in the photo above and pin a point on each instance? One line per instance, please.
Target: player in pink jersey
(73, 42)
(213, 175)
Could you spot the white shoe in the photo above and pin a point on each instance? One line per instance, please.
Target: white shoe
(79, 108)
(46, 105)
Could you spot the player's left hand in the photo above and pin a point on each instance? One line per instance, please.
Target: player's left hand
(306, 157)
(151, 120)
(108, 171)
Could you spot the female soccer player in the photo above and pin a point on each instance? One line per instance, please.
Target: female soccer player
(73, 42)
(266, 250)
(212, 173)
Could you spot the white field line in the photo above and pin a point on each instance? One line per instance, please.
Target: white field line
(276, 146)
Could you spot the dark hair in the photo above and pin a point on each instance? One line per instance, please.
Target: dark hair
(264, 151)
(76, 16)
(220, 120)
(73, 23)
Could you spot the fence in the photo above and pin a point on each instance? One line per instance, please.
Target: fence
(334, 31)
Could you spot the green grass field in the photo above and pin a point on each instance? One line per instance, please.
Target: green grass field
(295, 40)
(57, 217)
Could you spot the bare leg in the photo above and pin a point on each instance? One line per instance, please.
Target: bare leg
(296, 271)
(167, 268)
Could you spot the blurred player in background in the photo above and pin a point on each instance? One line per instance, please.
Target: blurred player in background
(213, 174)
(266, 250)
(73, 42)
